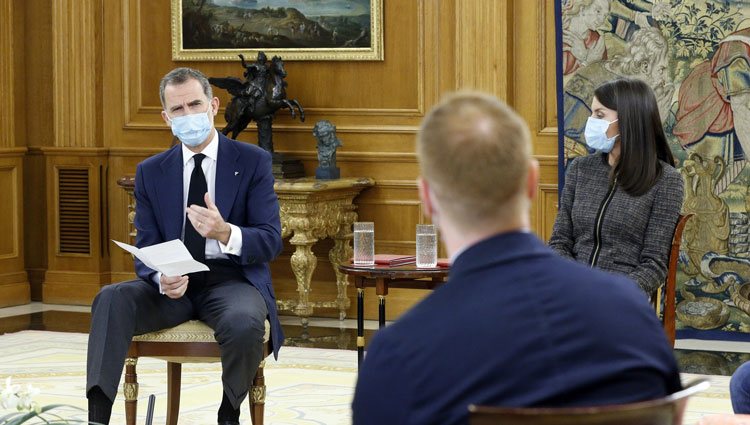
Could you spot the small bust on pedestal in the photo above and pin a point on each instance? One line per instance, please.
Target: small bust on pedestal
(325, 132)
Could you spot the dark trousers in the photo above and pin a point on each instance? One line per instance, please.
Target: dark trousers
(234, 309)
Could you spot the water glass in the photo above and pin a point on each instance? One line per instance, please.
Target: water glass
(426, 245)
(364, 243)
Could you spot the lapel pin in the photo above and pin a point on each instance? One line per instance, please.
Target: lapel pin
(236, 172)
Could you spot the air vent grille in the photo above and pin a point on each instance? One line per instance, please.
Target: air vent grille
(74, 214)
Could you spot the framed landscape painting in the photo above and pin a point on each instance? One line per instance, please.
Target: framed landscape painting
(219, 30)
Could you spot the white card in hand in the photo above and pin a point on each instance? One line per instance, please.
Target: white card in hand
(171, 258)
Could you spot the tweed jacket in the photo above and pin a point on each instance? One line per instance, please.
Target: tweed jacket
(607, 228)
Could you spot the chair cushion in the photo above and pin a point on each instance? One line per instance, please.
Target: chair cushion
(190, 331)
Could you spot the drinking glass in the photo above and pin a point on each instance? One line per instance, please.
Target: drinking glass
(364, 243)
(426, 245)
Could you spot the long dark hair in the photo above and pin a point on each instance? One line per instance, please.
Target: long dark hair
(642, 139)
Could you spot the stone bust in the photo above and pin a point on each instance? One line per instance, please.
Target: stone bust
(325, 133)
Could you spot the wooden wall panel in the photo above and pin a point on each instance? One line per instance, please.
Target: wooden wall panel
(14, 284)
(74, 62)
(74, 270)
(10, 225)
(488, 24)
(534, 87)
(35, 220)
(7, 65)
(75, 278)
(38, 131)
(534, 73)
(396, 211)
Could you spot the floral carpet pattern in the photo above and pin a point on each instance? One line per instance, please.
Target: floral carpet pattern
(306, 386)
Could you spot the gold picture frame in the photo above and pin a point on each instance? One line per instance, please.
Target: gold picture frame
(222, 29)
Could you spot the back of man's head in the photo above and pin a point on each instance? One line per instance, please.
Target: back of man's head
(475, 154)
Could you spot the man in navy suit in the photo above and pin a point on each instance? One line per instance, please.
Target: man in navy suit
(216, 194)
(515, 325)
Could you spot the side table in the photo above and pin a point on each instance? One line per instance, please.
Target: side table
(381, 278)
(128, 184)
(312, 210)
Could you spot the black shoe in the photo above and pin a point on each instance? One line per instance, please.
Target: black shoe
(100, 406)
(227, 414)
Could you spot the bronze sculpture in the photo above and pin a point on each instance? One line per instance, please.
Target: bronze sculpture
(257, 98)
(325, 132)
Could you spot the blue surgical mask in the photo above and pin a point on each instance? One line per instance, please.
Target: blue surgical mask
(193, 129)
(596, 135)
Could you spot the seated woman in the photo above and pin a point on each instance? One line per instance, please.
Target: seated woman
(620, 205)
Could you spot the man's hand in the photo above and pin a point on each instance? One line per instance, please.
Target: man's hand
(208, 221)
(174, 286)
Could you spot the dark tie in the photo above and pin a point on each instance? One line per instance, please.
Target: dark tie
(194, 242)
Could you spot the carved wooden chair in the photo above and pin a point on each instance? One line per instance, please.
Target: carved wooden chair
(190, 342)
(664, 411)
(668, 319)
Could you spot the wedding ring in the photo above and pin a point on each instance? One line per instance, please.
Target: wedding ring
(200, 224)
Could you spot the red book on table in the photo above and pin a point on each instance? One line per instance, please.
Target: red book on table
(393, 260)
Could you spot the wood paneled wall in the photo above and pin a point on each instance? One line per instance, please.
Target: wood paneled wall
(14, 285)
(98, 94)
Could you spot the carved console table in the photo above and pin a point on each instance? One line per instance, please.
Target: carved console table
(128, 183)
(310, 210)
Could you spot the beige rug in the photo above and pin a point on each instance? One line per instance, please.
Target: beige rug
(306, 386)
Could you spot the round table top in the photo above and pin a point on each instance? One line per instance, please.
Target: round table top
(408, 271)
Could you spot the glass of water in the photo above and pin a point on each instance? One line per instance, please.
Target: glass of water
(426, 245)
(364, 243)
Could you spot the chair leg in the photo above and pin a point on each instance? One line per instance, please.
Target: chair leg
(258, 396)
(174, 380)
(669, 313)
(130, 390)
(656, 302)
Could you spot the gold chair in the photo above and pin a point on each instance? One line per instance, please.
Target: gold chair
(664, 411)
(190, 342)
(668, 319)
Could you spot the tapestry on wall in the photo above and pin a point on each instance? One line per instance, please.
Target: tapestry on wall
(695, 54)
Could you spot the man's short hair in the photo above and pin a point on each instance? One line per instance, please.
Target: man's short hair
(180, 76)
(474, 151)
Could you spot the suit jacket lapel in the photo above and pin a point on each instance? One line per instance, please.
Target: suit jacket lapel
(228, 176)
(170, 191)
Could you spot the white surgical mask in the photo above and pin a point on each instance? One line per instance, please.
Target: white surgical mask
(192, 129)
(596, 135)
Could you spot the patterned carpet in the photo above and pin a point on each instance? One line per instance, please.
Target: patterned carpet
(306, 386)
